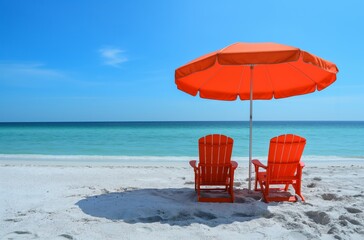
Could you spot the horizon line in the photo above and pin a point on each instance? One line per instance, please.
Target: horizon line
(171, 121)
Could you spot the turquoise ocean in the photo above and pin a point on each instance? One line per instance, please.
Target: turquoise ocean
(170, 141)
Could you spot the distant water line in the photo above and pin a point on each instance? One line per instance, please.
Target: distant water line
(179, 139)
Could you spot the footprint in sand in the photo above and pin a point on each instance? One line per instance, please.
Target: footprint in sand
(333, 230)
(67, 236)
(317, 179)
(311, 185)
(151, 219)
(242, 215)
(358, 195)
(267, 214)
(350, 220)
(330, 196)
(105, 191)
(189, 183)
(319, 217)
(144, 229)
(353, 210)
(13, 220)
(204, 215)
(22, 232)
(292, 226)
(280, 217)
(181, 216)
(343, 223)
(21, 235)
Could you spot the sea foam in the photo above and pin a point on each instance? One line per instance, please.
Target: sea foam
(8, 158)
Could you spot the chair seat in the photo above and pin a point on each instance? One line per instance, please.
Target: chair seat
(210, 183)
(282, 180)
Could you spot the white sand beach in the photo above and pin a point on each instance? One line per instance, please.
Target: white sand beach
(40, 201)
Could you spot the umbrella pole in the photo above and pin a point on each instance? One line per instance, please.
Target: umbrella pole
(251, 127)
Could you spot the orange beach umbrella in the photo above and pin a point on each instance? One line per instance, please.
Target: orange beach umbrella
(255, 71)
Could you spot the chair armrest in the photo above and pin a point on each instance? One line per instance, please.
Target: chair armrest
(258, 164)
(234, 164)
(301, 165)
(193, 164)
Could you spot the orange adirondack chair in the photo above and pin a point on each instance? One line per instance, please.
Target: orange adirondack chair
(284, 168)
(215, 168)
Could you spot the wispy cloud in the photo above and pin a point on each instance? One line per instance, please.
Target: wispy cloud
(112, 56)
(29, 74)
(29, 69)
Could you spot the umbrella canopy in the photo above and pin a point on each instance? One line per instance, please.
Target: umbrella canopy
(279, 71)
(252, 71)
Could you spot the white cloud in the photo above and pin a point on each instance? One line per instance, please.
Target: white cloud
(28, 69)
(28, 74)
(112, 56)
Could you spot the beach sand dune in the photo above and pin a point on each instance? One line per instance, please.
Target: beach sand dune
(159, 202)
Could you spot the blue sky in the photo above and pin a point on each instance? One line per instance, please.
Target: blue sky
(115, 60)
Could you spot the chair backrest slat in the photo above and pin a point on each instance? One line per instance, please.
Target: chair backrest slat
(215, 156)
(285, 153)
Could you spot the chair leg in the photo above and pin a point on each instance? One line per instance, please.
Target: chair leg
(231, 191)
(297, 188)
(302, 198)
(262, 189)
(256, 168)
(265, 191)
(195, 181)
(232, 195)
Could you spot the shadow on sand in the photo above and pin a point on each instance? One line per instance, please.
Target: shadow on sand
(173, 206)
